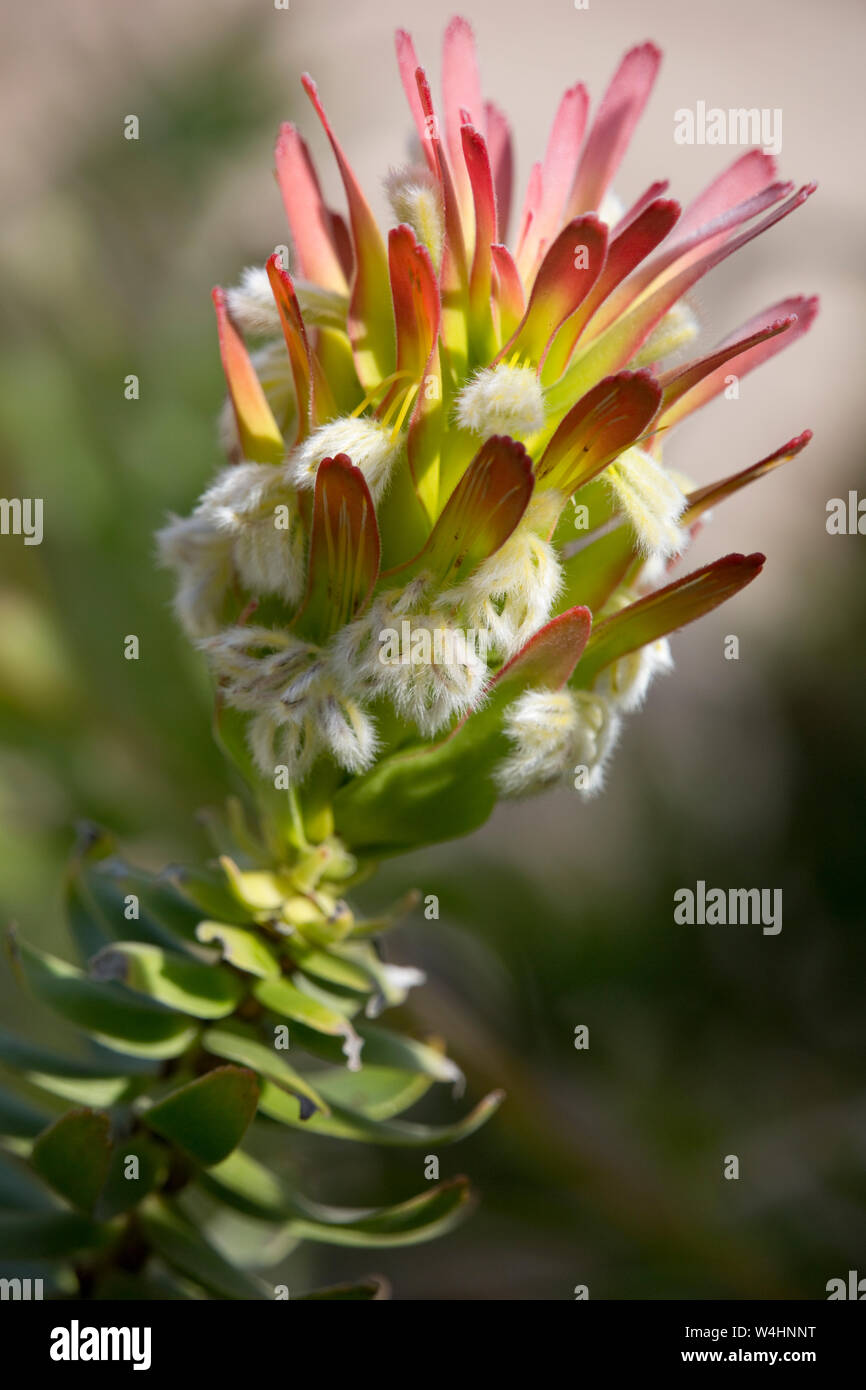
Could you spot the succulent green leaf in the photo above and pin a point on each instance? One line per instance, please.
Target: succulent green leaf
(245, 950)
(203, 991)
(383, 1048)
(245, 1184)
(237, 1046)
(346, 1124)
(208, 1117)
(73, 1156)
(180, 1245)
(19, 1119)
(285, 1000)
(377, 1092)
(19, 1190)
(121, 1190)
(48, 1235)
(422, 1218)
(114, 1017)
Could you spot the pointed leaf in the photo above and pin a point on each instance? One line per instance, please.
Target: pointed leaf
(309, 220)
(347, 1124)
(613, 415)
(181, 1246)
(567, 274)
(480, 514)
(344, 550)
(703, 498)
(664, 611)
(258, 432)
(425, 1217)
(371, 320)
(619, 112)
(50, 1235)
(236, 1046)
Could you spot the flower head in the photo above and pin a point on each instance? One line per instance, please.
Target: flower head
(424, 419)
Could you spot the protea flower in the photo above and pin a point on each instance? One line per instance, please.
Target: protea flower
(433, 573)
(426, 418)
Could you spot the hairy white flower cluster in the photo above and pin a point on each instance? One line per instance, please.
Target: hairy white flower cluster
(415, 200)
(649, 497)
(511, 594)
(556, 733)
(502, 400)
(442, 677)
(371, 446)
(245, 527)
(300, 706)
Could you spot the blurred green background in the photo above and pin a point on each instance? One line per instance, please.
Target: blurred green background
(605, 1165)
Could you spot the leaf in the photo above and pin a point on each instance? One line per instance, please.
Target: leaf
(346, 1124)
(245, 1184)
(565, 277)
(208, 1117)
(116, 1019)
(73, 1156)
(122, 1192)
(245, 950)
(703, 498)
(203, 991)
(377, 1092)
(287, 1001)
(371, 317)
(48, 1235)
(19, 1119)
(604, 422)
(344, 550)
(384, 1048)
(259, 435)
(19, 1190)
(480, 514)
(236, 1046)
(422, 1218)
(181, 1246)
(371, 1289)
(664, 611)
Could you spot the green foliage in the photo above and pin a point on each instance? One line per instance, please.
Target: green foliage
(189, 1024)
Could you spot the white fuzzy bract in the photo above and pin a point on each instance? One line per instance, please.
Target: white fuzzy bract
(368, 444)
(502, 400)
(625, 683)
(512, 593)
(554, 734)
(650, 500)
(416, 200)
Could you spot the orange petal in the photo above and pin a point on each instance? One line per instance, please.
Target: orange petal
(260, 438)
(371, 322)
(309, 220)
